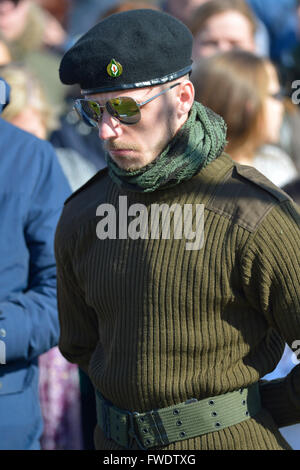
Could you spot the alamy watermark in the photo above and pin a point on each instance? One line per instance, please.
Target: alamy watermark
(154, 222)
(296, 352)
(296, 93)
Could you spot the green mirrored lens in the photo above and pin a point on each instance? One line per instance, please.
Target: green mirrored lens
(124, 109)
(89, 111)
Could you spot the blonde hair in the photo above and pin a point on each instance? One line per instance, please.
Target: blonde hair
(26, 91)
(234, 84)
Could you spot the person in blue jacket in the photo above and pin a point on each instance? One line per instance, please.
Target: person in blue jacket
(32, 192)
(280, 19)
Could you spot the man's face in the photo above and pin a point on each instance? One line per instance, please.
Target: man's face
(224, 32)
(133, 147)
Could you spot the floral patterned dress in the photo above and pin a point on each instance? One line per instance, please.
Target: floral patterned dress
(60, 402)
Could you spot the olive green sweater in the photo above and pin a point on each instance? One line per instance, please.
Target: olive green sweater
(155, 324)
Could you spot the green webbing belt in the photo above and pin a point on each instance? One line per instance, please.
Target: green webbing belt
(179, 422)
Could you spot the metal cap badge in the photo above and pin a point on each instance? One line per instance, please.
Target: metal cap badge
(114, 68)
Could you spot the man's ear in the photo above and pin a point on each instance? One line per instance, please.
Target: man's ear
(186, 96)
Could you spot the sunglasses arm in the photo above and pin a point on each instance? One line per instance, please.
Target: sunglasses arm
(158, 94)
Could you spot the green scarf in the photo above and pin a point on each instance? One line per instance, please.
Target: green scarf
(199, 141)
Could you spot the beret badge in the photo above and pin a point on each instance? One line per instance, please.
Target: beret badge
(114, 68)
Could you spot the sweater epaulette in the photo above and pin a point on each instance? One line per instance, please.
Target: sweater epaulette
(94, 178)
(254, 176)
(246, 196)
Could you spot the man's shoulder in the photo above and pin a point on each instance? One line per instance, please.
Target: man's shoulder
(81, 206)
(246, 196)
(251, 177)
(84, 191)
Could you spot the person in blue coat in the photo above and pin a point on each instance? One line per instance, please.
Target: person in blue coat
(33, 189)
(280, 19)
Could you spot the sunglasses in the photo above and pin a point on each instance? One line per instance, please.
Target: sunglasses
(124, 109)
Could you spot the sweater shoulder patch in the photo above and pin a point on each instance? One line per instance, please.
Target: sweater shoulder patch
(254, 176)
(86, 185)
(246, 196)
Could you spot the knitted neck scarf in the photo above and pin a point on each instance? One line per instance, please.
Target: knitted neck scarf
(199, 141)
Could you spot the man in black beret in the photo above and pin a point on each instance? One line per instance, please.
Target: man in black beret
(106, 64)
(175, 288)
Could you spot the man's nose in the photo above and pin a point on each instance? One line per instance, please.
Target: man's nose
(109, 127)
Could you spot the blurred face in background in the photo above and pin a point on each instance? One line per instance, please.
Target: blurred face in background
(224, 32)
(30, 120)
(273, 107)
(13, 18)
(183, 9)
(28, 107)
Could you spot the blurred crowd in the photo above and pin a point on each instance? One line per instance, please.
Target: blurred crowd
(246, 63)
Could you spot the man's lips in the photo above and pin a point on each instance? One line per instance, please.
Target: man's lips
(120, 151)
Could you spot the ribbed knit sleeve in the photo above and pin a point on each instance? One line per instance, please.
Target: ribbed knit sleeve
(271, 280)
(78, 322)
(281, 398)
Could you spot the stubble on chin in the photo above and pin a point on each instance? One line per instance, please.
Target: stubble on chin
(128, 166)
(139, 159)
(126, 163)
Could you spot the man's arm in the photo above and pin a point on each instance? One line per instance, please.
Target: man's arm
(78, 322)
(281, 398)
(271, 275)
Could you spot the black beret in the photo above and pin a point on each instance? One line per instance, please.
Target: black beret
(132, 49)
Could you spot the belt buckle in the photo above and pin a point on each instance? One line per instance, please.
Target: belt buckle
(131, 431)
